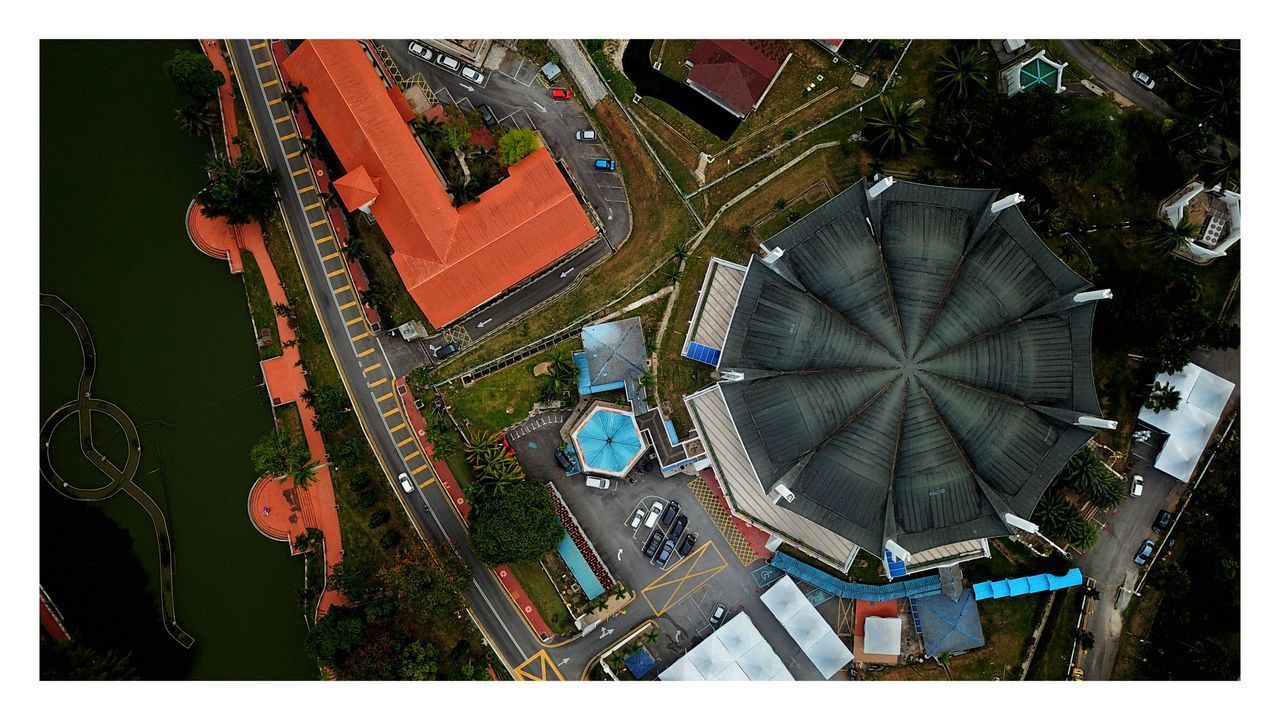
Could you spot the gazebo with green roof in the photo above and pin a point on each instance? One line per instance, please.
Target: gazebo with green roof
(1032, 72)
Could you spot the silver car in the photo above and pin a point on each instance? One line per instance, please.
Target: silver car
(417, 49)
(448, 63)
(473, 75)
(1143, 79)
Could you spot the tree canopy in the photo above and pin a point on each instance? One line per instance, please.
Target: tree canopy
(331, 406)
(428, 586)
(240, 191)
(518, 525)
(278, 453)
(341, 629)
(516, 144)
(193, 74)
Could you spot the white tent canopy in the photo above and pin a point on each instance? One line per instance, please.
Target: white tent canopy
(1190, 426)
(802, 621)
(736, 651)
(882, 636)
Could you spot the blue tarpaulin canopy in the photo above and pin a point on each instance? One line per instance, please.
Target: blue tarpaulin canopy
(1013, 587)
(800, 570)
(639, 662)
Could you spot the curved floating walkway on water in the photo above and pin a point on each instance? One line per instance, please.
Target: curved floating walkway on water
(84, 406)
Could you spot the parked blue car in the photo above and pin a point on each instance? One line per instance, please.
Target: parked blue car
(605, 164)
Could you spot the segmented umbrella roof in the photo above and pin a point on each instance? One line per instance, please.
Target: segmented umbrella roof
(609, 440)
(912, 367)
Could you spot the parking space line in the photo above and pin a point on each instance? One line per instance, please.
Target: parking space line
(287, 138)
(293, 154)
(391, 412)
(324, 239)
(426, 482)
(263, 64)
(354, 320)
(296, 173)
(312, 206)
(373, 385)
(259, 46)
(337, 272)
(384, 397)
(361, 336)
(266, 85)
(275, 102)
(351, 304)
(330, 256)
(344, 288)
(319, 222)
(367, 352)
(404, 442)
(420, 469)
(400, 427)
(372, 367)
(415, 454)
(283, 118)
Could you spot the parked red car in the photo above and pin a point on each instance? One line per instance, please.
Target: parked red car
(561, 94)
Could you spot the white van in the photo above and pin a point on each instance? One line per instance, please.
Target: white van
(598, 483)
(655, 512)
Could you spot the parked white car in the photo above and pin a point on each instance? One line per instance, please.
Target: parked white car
(448, 63)
(586, 135)
(473, 75)
(406, 483)
(655, 512)
(598, 483)
(417, 49)
(1136, 491)
(1143, 79)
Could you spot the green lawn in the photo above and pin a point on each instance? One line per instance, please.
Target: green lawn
(535, 582)
(495, 402)
(394, 303)
(260, 307)
(1054, 653)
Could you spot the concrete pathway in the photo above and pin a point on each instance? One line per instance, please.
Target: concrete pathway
(576, 62)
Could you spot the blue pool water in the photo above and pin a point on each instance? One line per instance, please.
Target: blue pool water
(578, 566)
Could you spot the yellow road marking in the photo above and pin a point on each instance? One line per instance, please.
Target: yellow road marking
(373, 385)
(384, 397)
(391, 412)
(339, 271)
(259, 46)
(269, 84)
(296, 173)
(361, 336)
(426, 482)
(329, 257)
(313, 205)
(680, 574)
(263, 64)
(293, 155)
(420, 469)
(353, 303)
(404, 442)
(287, 138)
(540, 668)
(283, 118)
(324, 239)
(319, 222)
(367, 352)
(354, 320)
(372, 367)
(415, 454)
(342, 289)
(400, 427)
(275, 102)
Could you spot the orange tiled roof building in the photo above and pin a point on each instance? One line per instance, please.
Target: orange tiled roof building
(452, 260)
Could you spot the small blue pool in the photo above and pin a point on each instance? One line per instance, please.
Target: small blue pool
(572, 557)
(609, 441)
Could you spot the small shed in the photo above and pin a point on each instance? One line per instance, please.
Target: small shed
(551, 71)
(949, 626)
(883, 636)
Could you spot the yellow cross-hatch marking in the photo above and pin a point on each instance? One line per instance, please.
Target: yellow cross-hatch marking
(415, 454)
(399, 427)
(319, 222)
(370, 351)
(377, 382)
(690, 567)
(344, 288)
(384, 397)
(354, 320)
(268, 84)
(361, 336)
(351, 304)
(391, 412)
(539, 668)
(404, 442)
(418, 470)
(372, 367)
(259, 46)
(426, 482)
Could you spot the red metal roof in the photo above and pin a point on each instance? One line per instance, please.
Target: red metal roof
(356, 188)
(451, 259)
(738, 73)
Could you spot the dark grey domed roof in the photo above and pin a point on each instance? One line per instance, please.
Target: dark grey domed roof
(912, 367)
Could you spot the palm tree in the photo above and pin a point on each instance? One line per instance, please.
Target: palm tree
(1220, 100)
(1223, 169)
(680, 251)
(1053, 513)
(463, 191)
(897, 130)
(292, 93)
(562, 365)
(197, 119)
(1169, 238)
(481, 448)
(962, 71)
(671, 273)
(429, 128)
(304, 473)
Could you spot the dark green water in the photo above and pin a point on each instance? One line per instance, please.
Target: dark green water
(175, 350)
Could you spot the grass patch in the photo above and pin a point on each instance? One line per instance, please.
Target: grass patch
(672, 54)
(658, 220)
(494, 402)
(260, 307)
(543, 594)
(386, 288)
(1054, 653)
(619, 83)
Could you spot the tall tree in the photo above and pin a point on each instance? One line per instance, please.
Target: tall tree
(518, 525)
(429, 586)
(193, 74)
(1168, 238)
(197, 118)
(1163, 396)
(516, 144)
(896, 131)
(240, 191)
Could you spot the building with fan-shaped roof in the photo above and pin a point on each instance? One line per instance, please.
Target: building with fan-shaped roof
(905, 371)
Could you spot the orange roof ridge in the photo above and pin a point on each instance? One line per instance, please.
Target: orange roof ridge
(357, 188)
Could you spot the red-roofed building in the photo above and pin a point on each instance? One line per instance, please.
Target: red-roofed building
(452, 260)
(736, 74)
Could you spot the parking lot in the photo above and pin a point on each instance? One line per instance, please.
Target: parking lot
(685, 592)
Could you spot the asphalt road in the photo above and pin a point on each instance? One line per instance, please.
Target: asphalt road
(1117, 80)
(364, 367)
(518, 98)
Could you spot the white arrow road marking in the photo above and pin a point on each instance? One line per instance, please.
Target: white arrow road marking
(605, 632)
(540, 108)
(619, 554)
(565, 274)
(467, 87)
(484, 322)
(563, 662)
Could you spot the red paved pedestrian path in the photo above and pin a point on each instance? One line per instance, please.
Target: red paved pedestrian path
(754, 536)
(279, 510)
